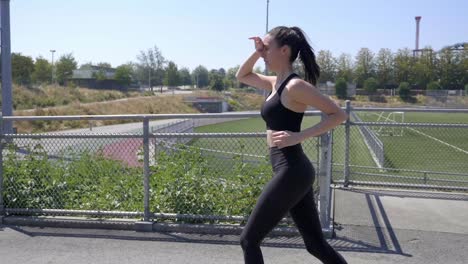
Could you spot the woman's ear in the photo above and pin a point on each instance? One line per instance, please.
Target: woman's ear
(285, 50)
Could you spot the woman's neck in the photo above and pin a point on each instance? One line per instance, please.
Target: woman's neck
(282, 74)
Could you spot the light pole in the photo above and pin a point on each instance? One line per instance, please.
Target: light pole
(268, 5)
(266, 32)
(149, 77)
(52, 51)
(7, 95)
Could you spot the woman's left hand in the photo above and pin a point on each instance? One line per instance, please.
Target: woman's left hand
(285, 138)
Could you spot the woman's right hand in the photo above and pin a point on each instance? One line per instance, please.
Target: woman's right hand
(259, 47)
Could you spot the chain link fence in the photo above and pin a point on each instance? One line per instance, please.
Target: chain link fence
(188, 169)
(403, 148)
(209, 169)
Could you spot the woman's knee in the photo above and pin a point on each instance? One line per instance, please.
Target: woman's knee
(247, 241)
(317, 248)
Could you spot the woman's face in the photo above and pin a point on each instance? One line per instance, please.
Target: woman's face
(272, 54)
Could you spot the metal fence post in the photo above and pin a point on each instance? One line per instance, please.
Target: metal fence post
(324, 182)
(146, 171)
(329, 177)
(2, 205)
(347, 137)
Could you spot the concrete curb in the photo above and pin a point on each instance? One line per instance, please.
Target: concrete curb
(67, 222)
(138, 226)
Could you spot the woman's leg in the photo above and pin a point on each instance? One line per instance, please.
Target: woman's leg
(279, 195)
(307, 220)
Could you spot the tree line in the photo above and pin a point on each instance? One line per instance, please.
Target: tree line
(446, 69)
(150, 69)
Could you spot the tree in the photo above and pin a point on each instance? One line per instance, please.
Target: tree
(42, 71)
(365, 66)
(216, 81)
(403, 65)
(259, 69)
(185, 78)
(384, 67)
(171, 77)
(123, 74)
(134, 67)
(64, 67)
(340, 88)
(370, 85)
(344, 68)
(151, 67)
(327, 66)
(222, 72)
(100, 74)
(22, 68)
(104, 65)
(231, 80)
(424, 69)
(404, 90)
(200, 77)
(433, 86)
(86, 65)
(464, 65)
(453, 69)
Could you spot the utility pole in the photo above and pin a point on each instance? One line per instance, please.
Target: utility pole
(149, 78)
(266, 32)
(7, 96)
(53, 68)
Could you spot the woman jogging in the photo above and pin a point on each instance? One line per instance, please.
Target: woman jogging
(290, 189)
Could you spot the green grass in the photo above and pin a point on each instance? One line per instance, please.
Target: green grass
(417, 149)
(251, 146)
(433, 149)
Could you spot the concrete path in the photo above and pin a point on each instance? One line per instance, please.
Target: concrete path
(372, 227)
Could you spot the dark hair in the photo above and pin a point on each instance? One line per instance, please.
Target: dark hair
(295, 38)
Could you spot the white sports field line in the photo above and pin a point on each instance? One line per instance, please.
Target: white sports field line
(431, 137)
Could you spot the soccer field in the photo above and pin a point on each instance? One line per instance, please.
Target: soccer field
(418, 155)
(433, 154)
(252, 146)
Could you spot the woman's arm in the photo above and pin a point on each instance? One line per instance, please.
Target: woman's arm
(308, 94)
(245, 74)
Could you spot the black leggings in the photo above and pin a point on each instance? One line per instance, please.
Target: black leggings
(290, 190)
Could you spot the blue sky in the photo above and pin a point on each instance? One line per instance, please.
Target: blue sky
(215, 33)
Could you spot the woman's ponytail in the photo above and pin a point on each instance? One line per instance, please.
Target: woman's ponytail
(307, 56)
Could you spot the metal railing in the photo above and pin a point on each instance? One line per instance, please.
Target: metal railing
(373, 143)
(428, 155)
(183, 172)
(183, 176)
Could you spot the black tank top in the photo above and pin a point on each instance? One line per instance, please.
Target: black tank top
(277, 116)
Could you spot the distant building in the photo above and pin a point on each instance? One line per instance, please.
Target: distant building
(328, 88)
(208, 104)
(96, 77)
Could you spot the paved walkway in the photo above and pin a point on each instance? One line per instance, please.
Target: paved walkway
(372, 227)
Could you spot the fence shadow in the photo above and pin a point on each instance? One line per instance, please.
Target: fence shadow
(341, 243)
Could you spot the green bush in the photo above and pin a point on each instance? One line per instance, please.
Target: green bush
(433, 86)
(84, 181)
(183, 181)
(186, 181)
(404, 90)
(234, 105)
(340, 88)
(466, 88)
(250, 89)
(370, 85)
